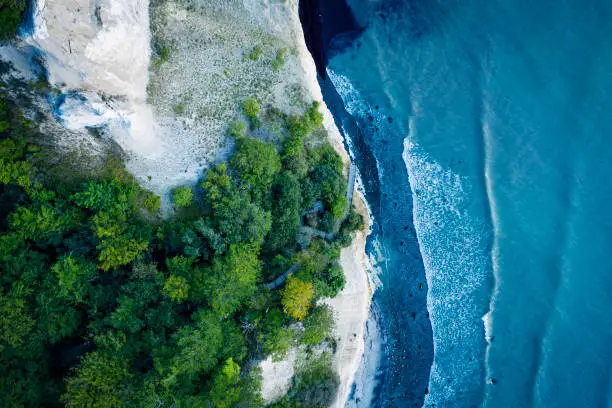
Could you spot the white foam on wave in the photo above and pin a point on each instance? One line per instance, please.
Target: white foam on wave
(488, 153)
(452, 244)
(487, 321)
(355, 105)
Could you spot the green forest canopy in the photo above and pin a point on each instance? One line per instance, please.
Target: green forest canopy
(105, 304)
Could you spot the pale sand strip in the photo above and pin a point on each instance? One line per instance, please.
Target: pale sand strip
(351, 306)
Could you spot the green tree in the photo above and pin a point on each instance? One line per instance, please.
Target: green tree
(256, 163)
(225, 389)
(196, 348)
(315, 384)
(15, 320)
(179, 265)
(104, 195)
(119, 251)
(55, 319)
(326, 181)
(217, 183)
(234, 344)
(182, 196)
(330, 282)
(352, 223)
(237, 129)
(119, 241)
(202, 240)
(279, 61)
(274, 337)
(40, 222)
(297, 129)
(251, 108)
(240, 220)
(152, 203)
(176, 288)
(73, 274)
(128, 315)
(250, 393)
(234, 215)
(102, 380)
(15, 172)
(234, 278)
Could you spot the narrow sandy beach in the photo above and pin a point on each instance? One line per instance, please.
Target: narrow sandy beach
(352, 304)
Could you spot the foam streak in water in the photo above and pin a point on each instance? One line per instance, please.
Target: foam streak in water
(487, 139)
(452, 244)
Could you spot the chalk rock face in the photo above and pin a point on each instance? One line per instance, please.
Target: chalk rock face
(99, 45)
(170, 117)
(97, 53)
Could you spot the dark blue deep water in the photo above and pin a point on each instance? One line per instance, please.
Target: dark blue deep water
(482, 133)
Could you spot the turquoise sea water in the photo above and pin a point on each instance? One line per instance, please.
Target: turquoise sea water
(490, 125)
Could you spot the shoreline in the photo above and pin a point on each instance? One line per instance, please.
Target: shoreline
(351, 306)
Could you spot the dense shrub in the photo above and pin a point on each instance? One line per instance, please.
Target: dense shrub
(237, 129)
(251, 109)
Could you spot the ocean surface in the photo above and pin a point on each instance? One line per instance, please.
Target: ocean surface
(482, 133)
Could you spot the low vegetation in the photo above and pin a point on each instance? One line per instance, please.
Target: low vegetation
(314, 385)
(104, 304)
(279, 61)
(255, 53)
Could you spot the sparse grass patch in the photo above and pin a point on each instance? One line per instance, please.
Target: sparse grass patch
(179, 108)
(161, 52)
(255, 53)
(279, 61)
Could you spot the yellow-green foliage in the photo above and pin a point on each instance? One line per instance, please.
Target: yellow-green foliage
(72, 275)
(101, 381)
(297, 298)
(176, 288)
(255, 53)
(237, 129)
(152, 203)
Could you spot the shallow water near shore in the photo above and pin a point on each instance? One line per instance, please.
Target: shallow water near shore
(487, 124)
